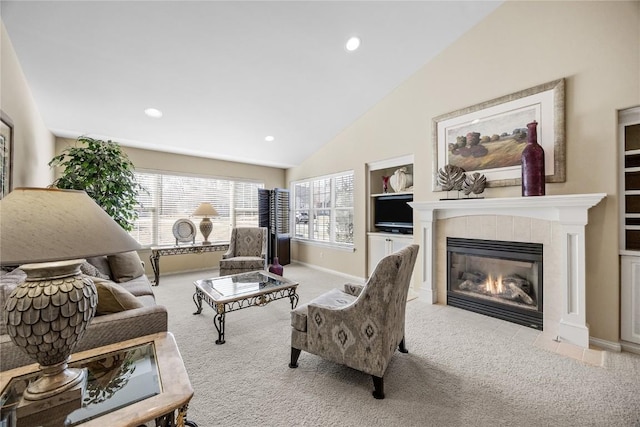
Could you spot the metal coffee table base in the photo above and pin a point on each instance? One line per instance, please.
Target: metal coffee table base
(256, 300)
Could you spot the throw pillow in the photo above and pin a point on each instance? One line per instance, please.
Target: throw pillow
(8, 282)
(92, 270)
(113, 298)
(126, 266)
(102, 264)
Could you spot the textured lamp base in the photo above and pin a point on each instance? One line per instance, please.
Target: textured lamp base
(55, 379)
(51, 412)
(205, 228)
(52, 308)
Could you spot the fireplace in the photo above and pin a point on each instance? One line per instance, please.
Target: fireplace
(496, 278)
(558, 222)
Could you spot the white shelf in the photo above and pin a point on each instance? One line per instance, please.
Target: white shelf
(391, 194)
(630, 252)
(630, 258)
(391, 163)
(380, 243)
(552, 208)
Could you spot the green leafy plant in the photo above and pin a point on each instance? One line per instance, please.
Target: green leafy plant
(105, 172)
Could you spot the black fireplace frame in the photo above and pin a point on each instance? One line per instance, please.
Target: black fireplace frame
(516, 251)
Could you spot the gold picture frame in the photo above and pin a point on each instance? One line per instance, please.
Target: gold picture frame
(497, 131)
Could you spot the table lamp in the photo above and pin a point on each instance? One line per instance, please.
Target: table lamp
(46, 232)
(206, 210)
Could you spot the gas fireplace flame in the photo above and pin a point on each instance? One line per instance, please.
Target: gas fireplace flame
(494, 286)
(508, 286)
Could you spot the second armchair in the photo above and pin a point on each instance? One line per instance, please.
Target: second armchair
(247, 251)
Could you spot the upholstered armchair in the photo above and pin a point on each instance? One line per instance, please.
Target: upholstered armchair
(362, 326)
(247, 251)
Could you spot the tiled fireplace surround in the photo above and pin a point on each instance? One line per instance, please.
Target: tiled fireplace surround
(557, 222)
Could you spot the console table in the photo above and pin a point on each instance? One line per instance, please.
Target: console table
(158, 251)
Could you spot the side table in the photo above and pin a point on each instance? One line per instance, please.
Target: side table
(129, 384)
(198, 248)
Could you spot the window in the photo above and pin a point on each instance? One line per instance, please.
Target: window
(172, 197)
(323, 209)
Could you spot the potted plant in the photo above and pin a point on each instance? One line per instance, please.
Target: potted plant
(105, 172)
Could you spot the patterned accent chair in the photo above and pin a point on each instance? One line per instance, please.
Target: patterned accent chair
(361, 326)
(247, 251)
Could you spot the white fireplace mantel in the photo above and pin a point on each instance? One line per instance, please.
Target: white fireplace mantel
(571, 211)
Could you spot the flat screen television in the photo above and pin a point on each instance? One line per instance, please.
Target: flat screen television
(392, 213)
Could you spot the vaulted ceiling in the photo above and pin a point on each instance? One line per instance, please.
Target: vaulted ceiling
(225, 74)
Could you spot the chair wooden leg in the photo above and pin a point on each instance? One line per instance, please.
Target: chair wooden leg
(402, 347)
(295, 353)
(378, 387)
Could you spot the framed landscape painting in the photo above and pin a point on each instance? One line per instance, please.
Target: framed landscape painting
(6, 154)
(489, 137)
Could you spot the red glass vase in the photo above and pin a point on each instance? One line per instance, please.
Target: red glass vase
(385, 183)
(533, 176)
(276, 268)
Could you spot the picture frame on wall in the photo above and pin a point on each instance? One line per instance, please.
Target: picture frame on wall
(489, 137)
(6, 155)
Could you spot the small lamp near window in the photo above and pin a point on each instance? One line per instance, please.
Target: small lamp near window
(47, 232)
(206, 210)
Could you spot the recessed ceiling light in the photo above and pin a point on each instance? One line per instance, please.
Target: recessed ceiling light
(152, 112)
(352, 44)
(269, 138)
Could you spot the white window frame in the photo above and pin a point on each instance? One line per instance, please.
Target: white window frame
(154, 213)
(311, 210)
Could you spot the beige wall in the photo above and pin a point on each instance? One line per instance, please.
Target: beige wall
(155, 160)
(33, 143)
(182, 164)
(595, 46)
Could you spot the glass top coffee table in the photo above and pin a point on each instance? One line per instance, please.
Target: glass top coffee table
(238, 291)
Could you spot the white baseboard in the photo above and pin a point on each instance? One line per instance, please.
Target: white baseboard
(616, 346)
(606, 345)
(150, 276)
(630, 347)
(425, 294)
(357, 280)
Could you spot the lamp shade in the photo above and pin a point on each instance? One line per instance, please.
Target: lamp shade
(49, 224)
(205, 209)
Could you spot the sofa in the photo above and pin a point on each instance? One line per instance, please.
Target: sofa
(126, 306)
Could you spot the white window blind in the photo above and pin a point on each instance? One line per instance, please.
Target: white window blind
(246, 204)
(323, 209)
(301, 205)
(343, 196)
(172, 197)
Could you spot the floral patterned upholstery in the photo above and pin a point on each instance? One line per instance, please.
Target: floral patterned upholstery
(362, 326)
(247, 251)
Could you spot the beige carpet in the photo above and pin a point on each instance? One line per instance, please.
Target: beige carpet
(462, 369)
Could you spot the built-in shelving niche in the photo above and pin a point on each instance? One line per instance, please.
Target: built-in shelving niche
(377, 170)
